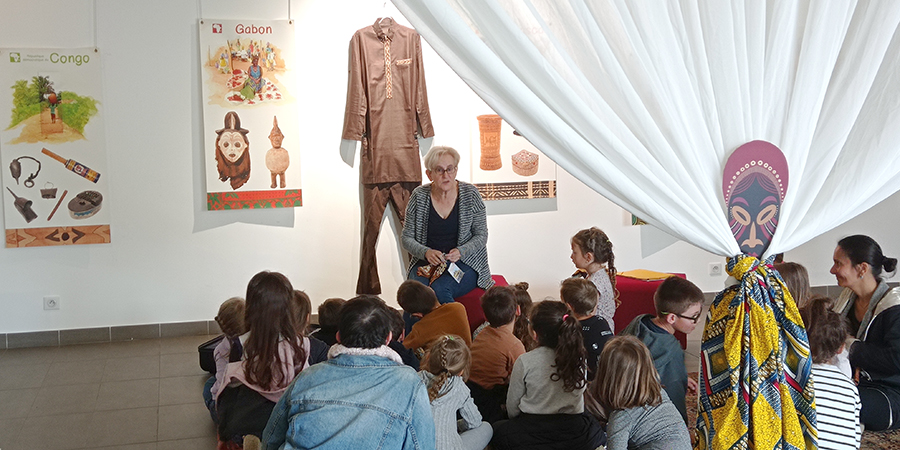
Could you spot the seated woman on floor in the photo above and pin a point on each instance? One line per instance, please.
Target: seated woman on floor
(873, 310)
(445, 229)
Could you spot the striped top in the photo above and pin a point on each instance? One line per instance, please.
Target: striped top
(473, 231)
(837, 408)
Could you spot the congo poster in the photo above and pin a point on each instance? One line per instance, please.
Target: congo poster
(251, 138)
(53, 147)
(505, 166)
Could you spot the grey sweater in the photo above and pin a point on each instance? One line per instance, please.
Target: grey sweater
(657, 427)
(532, 391)
(455, 396)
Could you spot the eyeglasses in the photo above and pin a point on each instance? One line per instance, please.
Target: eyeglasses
(440, 170)
(692, 319)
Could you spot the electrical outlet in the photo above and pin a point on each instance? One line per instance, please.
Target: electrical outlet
(51, 302)
(715, 269)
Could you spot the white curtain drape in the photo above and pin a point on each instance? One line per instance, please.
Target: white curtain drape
(644, 100)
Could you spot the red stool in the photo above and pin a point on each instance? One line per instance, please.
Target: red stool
(472, 302)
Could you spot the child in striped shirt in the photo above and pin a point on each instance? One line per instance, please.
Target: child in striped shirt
(837, 399)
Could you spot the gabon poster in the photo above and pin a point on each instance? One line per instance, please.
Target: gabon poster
(53, 147)
(251, 143)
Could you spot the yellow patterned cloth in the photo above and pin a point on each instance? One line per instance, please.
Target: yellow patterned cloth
(756, 389)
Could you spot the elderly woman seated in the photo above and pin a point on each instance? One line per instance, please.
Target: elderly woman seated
(445, 230)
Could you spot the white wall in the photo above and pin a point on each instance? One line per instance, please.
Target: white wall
(171, 260)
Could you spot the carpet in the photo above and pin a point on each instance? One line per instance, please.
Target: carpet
(871, 440)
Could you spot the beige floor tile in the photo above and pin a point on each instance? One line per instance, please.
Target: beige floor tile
(53, 400)
(185, 421)
(179, 390)
(128, 394)
(204, 443)
(9, 431)
(124, 426)
(143, 446)
(63, 373)
(62, 432)
(83, 352)
(22, 376)
(16, 403)
(26, 356)
(133, 368)
(128, 349)
(179, 364)
(182, 344)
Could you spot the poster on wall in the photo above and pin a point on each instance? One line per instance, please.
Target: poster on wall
(53, 147)
(505, 166)
(250, 133)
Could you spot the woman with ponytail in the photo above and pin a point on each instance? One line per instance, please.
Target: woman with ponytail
(545, 402)
(873, 310)
(445, 370)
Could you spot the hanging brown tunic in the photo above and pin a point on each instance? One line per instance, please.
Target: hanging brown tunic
(387, 105)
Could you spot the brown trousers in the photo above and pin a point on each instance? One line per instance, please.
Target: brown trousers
(375, 200)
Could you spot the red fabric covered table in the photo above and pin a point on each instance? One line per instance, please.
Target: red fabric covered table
(472, 302)
(637, 298)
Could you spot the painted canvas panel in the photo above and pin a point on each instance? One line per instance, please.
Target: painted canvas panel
(53, 147)
(250, 131)
(505, 166)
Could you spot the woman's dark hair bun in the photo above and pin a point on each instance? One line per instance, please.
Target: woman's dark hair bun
(889, 264)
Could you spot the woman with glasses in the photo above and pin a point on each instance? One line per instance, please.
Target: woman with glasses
(446, 230)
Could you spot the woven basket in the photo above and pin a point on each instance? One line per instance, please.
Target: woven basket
(489, 128)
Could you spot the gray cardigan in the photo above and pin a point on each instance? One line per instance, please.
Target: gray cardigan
(455, 396)
(657, 427)
(472, 240)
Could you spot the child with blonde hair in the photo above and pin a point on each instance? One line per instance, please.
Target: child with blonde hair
(626, 394)
(592, 254)
(445, 370)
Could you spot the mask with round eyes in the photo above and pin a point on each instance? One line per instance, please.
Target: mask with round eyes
(754, 185)
(232, 145)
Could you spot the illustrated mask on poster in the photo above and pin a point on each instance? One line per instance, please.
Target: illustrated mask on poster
(232, 147)
(754, 183)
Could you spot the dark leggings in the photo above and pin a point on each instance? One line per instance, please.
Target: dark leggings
(880, 406)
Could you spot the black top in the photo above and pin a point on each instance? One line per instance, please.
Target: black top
(648, 322)
(596, 333)
(443, 234)
(318, 351)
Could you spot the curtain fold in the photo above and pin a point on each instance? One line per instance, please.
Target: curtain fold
(643, 101)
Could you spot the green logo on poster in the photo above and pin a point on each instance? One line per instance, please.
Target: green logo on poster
(15, 57)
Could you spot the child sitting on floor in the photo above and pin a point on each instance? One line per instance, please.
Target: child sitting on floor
(435, 319)
(445, 369)
(522, 328)
(494, 352)
(318, 350)
(627, 396)
(545, 402)
(231, 321)
(593, 256)
(581, 296)
(329, 317)
(837, 398)
(679, 304)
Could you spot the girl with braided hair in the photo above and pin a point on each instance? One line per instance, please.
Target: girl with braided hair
(545, 401)
(592, 254)
(445, 369)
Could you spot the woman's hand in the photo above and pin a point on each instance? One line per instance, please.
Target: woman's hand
(434, 257)
(453, 255)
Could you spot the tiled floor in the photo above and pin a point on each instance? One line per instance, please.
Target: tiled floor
(138, 395)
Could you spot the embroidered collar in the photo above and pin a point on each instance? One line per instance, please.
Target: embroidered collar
(384, 28)
(384, 351)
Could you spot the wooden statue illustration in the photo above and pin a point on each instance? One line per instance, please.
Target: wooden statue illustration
(277, 158)
(233, 151)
